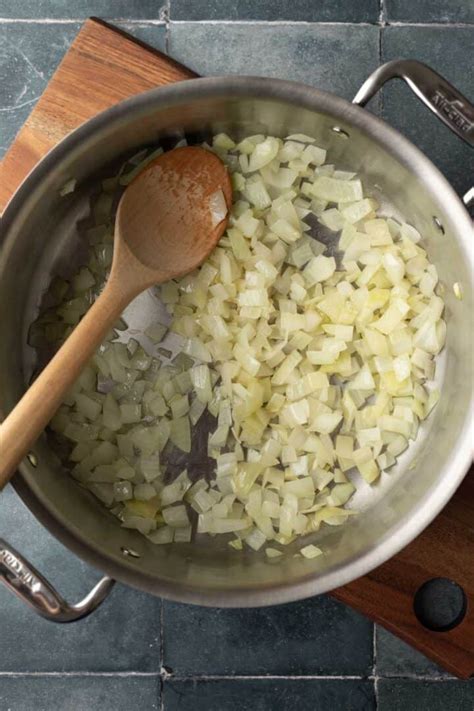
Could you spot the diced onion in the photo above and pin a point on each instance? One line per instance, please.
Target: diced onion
(311, 369)
(218, 207)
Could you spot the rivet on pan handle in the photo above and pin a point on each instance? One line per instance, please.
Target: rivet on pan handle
(439, 95)
(30, 586)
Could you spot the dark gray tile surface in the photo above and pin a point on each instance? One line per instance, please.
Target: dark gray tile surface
(320, 55)
(298, 10)
(269, 695)
(30, 53)
(316, 636)
(123, 635)
(154, 35)
(79, 693)
(80, 9)
(395, 658)
(445, 49)
(430, 10)
(28, 56)
(417, 695)
(111, 661)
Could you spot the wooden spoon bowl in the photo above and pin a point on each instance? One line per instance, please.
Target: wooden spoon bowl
(169, 219)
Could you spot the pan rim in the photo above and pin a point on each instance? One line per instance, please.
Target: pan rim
(391, 140)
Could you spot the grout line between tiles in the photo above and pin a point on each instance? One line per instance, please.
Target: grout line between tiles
(379, 51)
(274, 23)
(161, 636)
(124, 674)
(165, 13)
(162, 655)
(450, 25)
(381, 21)
(422, 677)
(377, 23)
(374, 651)
(166, 676)
(136, 23)
(299, 23)
(307, 677)
(273, 677)
(374, 668)
(380, 93)
(76, 20)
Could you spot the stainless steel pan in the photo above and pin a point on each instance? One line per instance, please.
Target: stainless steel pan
(39, 231)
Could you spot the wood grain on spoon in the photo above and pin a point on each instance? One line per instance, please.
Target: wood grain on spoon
(164, 229)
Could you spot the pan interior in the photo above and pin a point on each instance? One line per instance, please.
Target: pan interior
(44, 241)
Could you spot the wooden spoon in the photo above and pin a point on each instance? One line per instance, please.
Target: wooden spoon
(165, 227)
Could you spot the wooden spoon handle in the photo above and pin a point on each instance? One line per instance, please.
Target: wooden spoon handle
(28, 419)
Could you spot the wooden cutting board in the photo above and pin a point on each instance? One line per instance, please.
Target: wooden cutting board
(104, 66)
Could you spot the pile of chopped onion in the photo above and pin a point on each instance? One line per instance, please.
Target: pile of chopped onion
(312, 369)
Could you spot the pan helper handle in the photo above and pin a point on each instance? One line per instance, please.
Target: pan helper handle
(439, 95)
(30, 586)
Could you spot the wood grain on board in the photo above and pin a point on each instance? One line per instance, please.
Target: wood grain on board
(444, 550)
(104, 66)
